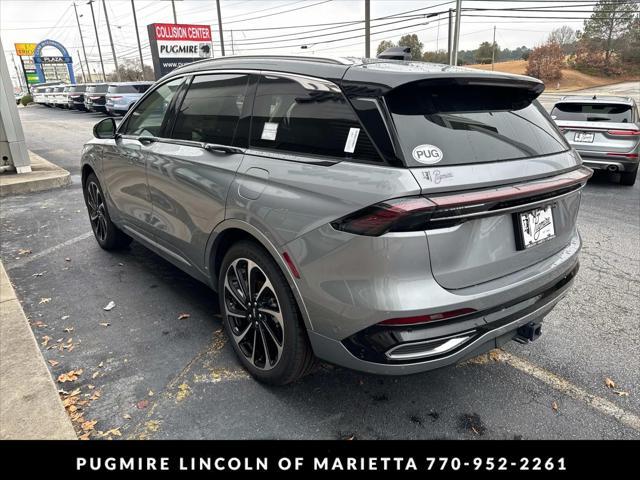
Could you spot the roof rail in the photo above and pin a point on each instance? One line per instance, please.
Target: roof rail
(307, 58)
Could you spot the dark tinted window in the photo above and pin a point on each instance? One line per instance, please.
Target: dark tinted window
(102, 88)
(471, 124)
(307, 116)
(211, 109)
(137, 88)
(148, 117)
(78, 88)
(592, 112)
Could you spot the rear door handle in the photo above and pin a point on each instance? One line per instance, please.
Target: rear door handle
(215, 148)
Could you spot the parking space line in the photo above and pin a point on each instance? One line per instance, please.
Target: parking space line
(600, 404)
(49, 250)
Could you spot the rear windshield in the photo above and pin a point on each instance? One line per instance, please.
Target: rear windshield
(97, 88)
(141, 88)
(78, 88)
(470, 124)
(592, 112)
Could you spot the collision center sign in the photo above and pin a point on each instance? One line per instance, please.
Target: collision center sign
(173, 45)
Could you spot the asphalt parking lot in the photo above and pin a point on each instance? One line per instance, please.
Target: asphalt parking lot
(149, 372)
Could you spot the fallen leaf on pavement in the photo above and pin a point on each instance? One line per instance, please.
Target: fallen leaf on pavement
(53, 363)
(151, 393)
(184, 316)
(109, 305)
(45, 340)
(44, 300)
(24, 251)
(89, 425)
(105, 324)
(64, 317)
(95, 374)
(38, 274)
(68, 329)
(142, 404)
(101, 364)
(39, 324)
(96, 395)
(69, 376)
(609, 383)
(126, 416)
(554, 405)
(84, 436)
(113, 432)
(67, 259)
(620, 393)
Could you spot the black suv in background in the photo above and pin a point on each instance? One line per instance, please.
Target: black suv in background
(94, 97)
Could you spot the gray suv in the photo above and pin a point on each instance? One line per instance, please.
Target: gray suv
(386, 216)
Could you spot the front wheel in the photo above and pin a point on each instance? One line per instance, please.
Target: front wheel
(261, 317)
(107, 234)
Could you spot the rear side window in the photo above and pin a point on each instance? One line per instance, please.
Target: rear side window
(592, 112)
(97, 88)
(307, 116)
(211, 109)
(470, 124)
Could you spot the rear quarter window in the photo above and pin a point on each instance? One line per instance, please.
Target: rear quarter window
(471, 124)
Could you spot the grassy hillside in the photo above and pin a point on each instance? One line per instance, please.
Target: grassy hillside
(571, 79)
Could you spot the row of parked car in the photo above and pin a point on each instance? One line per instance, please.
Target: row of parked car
(109, 98)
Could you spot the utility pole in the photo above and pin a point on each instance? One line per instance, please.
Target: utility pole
(95, 28)
(233, 50)
(456, 37)
(113, 50)
(84, 77)
(18, 75)
(135, 23)
(84, 50)
(173, 6)
(493, 48)
(450, 37)
(367, 28)
(219, 27)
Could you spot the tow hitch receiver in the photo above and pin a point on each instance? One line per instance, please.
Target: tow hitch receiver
(529, 332)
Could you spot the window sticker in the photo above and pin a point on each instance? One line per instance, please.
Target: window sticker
(352, 139)
(427, 154)
(269, 131)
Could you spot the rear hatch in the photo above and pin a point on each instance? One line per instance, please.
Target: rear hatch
(505, 183)
(599, 130)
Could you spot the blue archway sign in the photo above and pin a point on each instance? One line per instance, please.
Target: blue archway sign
(66, 58)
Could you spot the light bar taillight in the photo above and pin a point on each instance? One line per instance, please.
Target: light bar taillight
(624, 133)
(115, 98)
(417, 320)
(626, 155)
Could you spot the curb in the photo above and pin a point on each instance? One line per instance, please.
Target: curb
(44, 176)
(30, 407)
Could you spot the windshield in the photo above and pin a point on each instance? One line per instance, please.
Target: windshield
(592, 112)
(464, 124)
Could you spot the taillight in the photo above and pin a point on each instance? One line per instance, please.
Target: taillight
(292, 266)
(115, 98)
(626, 155)
(624, 133)
(398, 215)
(408, 321)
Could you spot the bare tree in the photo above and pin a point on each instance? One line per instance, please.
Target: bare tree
(565, 36)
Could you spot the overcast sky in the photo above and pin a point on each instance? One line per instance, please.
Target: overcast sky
(245, 21)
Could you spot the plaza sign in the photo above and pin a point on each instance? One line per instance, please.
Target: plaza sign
(174, 45)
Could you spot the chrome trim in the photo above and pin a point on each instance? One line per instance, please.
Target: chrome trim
(603, 163)
(524, 206)
(450, 343)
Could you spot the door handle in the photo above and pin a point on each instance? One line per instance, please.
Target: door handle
(215, 148)
(147, 140)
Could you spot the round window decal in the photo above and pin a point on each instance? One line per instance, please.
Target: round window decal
(427, 154)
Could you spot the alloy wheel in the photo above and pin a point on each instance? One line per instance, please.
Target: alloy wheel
(254, 314)
(97, 211)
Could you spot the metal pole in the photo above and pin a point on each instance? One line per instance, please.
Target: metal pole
(135, 23)
(493, 48)
(450, 37)
(95, 28)
(84, 77)
(220, 27)
(367, 28)
(113, 50)
(233, 50)
(18, 76)
(456, 37)
(84, 50)
(173, 6)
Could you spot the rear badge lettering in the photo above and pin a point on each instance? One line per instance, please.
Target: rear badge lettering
(436, 176)
(427, 154)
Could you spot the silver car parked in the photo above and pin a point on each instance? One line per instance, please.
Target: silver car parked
(604, 130)
(122, 96)
(390, 217)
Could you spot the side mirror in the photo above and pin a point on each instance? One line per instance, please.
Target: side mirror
(105, 129)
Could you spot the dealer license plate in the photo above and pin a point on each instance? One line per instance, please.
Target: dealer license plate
(536, 226)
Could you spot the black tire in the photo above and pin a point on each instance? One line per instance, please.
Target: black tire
(295, 359)
(628, 178)
(106, 233)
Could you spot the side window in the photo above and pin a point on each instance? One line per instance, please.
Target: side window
(211, 109)
(309, 117)
(147, 118)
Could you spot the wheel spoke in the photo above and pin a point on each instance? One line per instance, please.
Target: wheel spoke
(274, 314)
(267, 358)
(242, 334)
(234, 293)
(273, 337)
(240, 281)
(253, 350)
(265, 286)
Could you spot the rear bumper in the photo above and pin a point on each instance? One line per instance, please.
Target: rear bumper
(618, 164)
(477, 335)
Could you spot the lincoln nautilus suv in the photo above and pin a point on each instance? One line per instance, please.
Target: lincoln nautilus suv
(386, 216)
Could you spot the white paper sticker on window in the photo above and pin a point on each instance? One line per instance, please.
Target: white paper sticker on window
(269, 131)
(352, 139)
